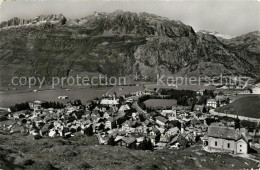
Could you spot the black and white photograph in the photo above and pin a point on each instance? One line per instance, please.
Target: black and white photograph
(129, 84)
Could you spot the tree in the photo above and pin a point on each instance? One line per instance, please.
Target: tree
(76, 102)
(111, 141)
(220, 93)
(218, 103)
(228, 100)
(175, 123)
(89, 131)
(237, 123)
(157, 138)
(204, 110)
(199, 114)
(146, 144)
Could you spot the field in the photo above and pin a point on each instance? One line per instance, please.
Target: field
(22, 151)
(248, 106)
(124, 90)
(160, 103)
(11, 97)
(181, 87)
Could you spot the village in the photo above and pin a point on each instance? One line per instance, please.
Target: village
(149, 119)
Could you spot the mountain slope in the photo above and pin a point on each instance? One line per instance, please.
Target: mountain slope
(216, 34)
(118, 43)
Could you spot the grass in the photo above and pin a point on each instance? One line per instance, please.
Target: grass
(247, 106)
(9, 98)
(21, 151)
(158, 103)
(125, 90)
(180, 87)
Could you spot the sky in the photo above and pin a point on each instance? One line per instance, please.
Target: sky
(229, 17)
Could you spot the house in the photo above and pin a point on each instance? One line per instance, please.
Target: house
(108, 125)
(245, 92)
(129, 101)
(198, 107)
(154, 132)
(164, 138)
(178, 141)
(221, 138)
(101, 140)
(139, 129)
(118, 140)
(109, 102)
(129, 142)
(63, 97)
(99, 126)
(172, 131)
(212, 103)
(124, 108)
(67, 134)
(168, 113)
(35, 105)
(200, 92)
(182, 141)
(52, 133)
(160, 145)
(221, 97)
(45, 129)
(139, 140)
(161, 120)
(17, 129)
(173, 142)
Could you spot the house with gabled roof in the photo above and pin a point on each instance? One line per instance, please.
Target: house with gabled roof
(173, 131)
(129, 142)
(221, 138)
(212, 103)
(161, 120)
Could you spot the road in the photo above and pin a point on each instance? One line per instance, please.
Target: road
(138, 109)
(141, 111)
(233, 116)
(110, 90)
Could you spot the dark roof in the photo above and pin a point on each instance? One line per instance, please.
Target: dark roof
(224, 132)
(129, 140)
(182, 140)
(155, 130)
(174, 139)
(162, 119)
(194, 121)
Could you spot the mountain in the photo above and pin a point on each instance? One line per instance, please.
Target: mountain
(246, 46)
(118, 44)
(216, 34)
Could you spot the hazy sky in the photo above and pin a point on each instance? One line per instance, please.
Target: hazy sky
(226, 17)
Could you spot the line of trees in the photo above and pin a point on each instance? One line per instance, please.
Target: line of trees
(183, 97)
(20, 107)
(146, 144)
(55, 105)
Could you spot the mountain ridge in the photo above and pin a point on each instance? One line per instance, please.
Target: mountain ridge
(116, 44)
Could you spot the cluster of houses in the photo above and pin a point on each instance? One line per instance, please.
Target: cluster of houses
(119, 120)
(223, 96)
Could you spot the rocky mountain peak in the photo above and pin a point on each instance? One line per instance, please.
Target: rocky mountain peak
(121, 43)
(53, 18)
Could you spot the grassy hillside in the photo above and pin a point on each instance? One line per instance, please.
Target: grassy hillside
(22, 152)
(247, 106)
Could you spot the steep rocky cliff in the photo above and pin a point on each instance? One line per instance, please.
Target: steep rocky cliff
(118, 43)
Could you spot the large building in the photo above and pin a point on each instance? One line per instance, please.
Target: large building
(212, 103)
(221, 138)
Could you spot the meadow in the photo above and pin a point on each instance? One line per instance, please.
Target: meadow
(248, 106)
(12, 97)
(160, 103)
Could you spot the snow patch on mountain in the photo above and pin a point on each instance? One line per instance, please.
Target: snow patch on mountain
(216, 34)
